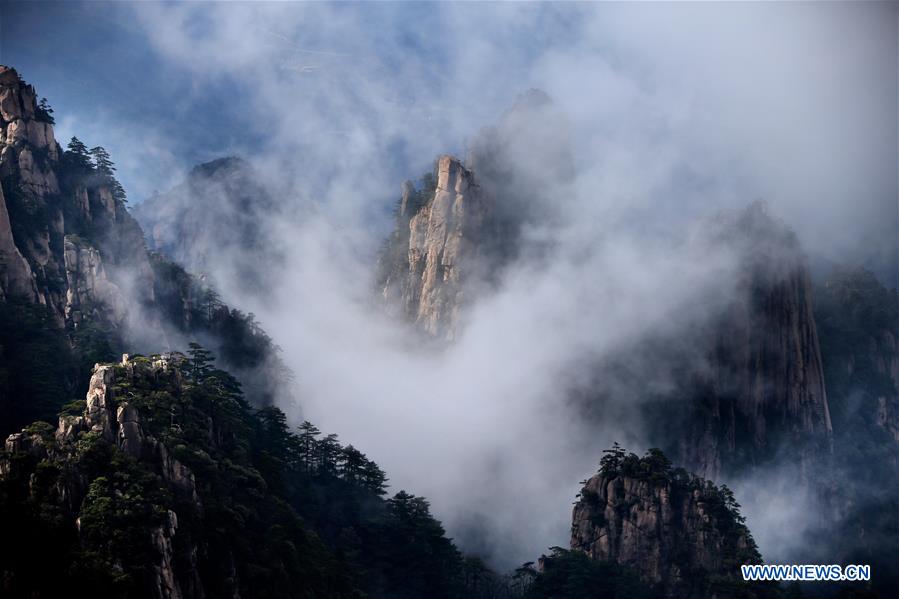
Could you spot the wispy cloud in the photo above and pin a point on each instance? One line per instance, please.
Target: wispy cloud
(676, 111)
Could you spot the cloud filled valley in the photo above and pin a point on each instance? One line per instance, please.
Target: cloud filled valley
(488, 242)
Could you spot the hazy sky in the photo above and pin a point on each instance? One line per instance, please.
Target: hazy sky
(677, 111)
(791, 102)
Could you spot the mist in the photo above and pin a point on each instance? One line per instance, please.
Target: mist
(677, 112)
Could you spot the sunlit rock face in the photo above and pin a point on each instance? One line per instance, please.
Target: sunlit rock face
(455, 235)
(65, 242)
(442, 247)
(28, 160)
(752, 384)
(16, 278)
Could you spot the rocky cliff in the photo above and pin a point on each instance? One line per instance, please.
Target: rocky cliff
(763, 390)
(440, 234)
(48, 208)
(455, 234)
(859, 321)
(680, 533)
(70, 251)
(109, 420)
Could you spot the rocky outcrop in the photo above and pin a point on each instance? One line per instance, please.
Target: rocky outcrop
(28, 160)
(454, 236)
(45, 204)
(16, 278)
(118, 422)
(442, 249)
(89, 292)
(164, 581)
(28, 144)
(678, 532)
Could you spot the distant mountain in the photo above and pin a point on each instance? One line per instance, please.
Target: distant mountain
(175, 479)
(858, 320)
(764, 390)
(455, 233)
(215, 224)
(745, 388)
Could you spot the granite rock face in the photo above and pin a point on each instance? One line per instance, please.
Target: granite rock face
(454, 236)
(90, 293)
(64, 242)
(29, 157)
(16, 278)
(119, 423)
(676, 531)
(764, 388)
(442, 249)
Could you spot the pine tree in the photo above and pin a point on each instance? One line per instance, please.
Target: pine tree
(77, 158)
(44, 113)
(611, 463)
(328, 450)
(211, 303)
(351, 463)
(118, 192)
(105, 167)
(201, 361)
(102, 162)
(276, 433)
(308, 446)
(373, 478)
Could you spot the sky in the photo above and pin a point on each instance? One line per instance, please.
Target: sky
(677, 111)
(804, 95)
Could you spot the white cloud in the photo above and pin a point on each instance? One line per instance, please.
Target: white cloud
(676, 111)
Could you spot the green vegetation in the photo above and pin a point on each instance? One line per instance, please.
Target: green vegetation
(40, 362)
(858, 326)
(195, 310)
(566, 574)
(276, 512)
(719, 508)
(105, 170)
(718, 502)
(44, 113)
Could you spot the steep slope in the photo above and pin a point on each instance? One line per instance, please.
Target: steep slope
(455, 234)
(859, 324)
(77, 284)
(56, 220)
(764, 390)
(752, 382)
(680, 533)
(439, 234)
(164, 484)
(215, 223)
(859, 321)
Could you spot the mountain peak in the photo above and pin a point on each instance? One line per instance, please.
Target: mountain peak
(8, 75)
(218, 166)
